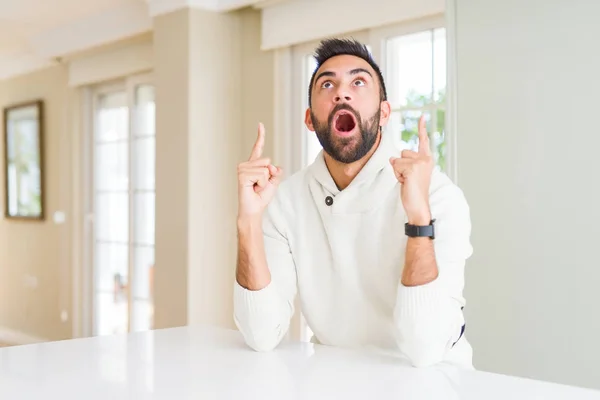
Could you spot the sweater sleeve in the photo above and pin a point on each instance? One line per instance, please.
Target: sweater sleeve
(429, 318)
(263, 316)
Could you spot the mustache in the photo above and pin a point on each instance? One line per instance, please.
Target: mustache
(345, 107)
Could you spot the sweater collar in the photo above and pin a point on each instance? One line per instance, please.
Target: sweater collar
(378, 161)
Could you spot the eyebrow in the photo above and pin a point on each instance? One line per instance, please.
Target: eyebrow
(352, 72)
(359, 70)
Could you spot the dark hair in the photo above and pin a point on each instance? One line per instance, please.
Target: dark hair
(330, 48)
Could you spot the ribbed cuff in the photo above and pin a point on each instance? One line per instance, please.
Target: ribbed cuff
(252, 306)
(420, 300)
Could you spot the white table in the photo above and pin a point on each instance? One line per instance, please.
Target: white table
(202, 363)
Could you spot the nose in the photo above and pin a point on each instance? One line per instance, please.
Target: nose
(342, 95)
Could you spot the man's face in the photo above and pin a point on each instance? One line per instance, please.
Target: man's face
(346, 110)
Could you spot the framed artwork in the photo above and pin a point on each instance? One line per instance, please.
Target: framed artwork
(23, 161)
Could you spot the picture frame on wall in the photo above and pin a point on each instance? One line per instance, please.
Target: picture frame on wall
(24, 161)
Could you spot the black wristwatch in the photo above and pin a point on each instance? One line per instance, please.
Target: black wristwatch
(420, 230)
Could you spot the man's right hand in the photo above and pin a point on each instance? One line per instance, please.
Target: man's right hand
(257, 181)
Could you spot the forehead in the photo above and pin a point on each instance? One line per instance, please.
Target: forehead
(343, 64)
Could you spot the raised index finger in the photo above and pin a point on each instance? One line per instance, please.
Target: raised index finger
(259, 145)
(423, 137)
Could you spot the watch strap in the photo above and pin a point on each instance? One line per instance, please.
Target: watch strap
(420, 230)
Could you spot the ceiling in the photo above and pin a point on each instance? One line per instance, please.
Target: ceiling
(35, 33)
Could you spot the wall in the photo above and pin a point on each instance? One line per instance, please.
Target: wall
(527, 155)
(222, 126)
(258, 86)
(213, 86)
(171, 80)
(39, 251)
(215, 128)
(45, 253)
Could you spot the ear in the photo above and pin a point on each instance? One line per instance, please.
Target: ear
(308, 121)
(385, 109)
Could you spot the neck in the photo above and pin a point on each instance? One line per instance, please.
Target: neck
(342, 173)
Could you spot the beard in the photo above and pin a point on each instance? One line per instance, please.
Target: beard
(350, 149)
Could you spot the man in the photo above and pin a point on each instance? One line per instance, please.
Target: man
(372, 239)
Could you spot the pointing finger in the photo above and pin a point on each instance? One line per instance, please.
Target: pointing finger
(409, 154)
(260, 143)
(423, 138)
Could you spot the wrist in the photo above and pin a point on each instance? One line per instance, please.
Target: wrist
(421, 219)
(247, 223)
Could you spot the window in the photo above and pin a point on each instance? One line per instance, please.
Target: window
(122, 207)
(413, 60)
(416, 81)
(313, 146)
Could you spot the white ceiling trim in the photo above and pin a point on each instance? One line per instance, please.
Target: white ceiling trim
(285, 23)
(159, 7)
(111, 64)
(230, 5)
(23, 63)
(118, 23)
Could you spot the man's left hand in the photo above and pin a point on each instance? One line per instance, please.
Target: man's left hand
(413, 171)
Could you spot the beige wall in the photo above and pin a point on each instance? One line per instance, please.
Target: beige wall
(171, 79)
(213, 86)
(215, 128)
(39, 249)
(210, 96)
(258, 86)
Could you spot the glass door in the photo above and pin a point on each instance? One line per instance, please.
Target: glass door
(123, 207)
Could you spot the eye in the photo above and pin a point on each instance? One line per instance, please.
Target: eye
(359, 82)
(327, 85)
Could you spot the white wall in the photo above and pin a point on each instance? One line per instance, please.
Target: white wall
(528, 142)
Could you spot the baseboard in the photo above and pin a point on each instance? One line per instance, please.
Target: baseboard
(14, 337)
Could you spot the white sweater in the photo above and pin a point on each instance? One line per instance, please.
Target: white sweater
(345, 262)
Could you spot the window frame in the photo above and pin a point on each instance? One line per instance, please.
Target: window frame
(378, 39)
(89, 96)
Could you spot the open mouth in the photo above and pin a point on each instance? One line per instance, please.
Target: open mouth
(345, 122)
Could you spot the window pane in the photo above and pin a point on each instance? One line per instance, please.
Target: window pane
(409, 128)
(142, 315)
(410, 69)
(145, 111)
(111, 266)
(113, 122)
(438, 139)
(112, 217)
(111, 314)
(311, 66)
(144, 218)
(394, 129)
(112, 166)
(313, 147)
(143, 272)
(144, 156)
(439, 64)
